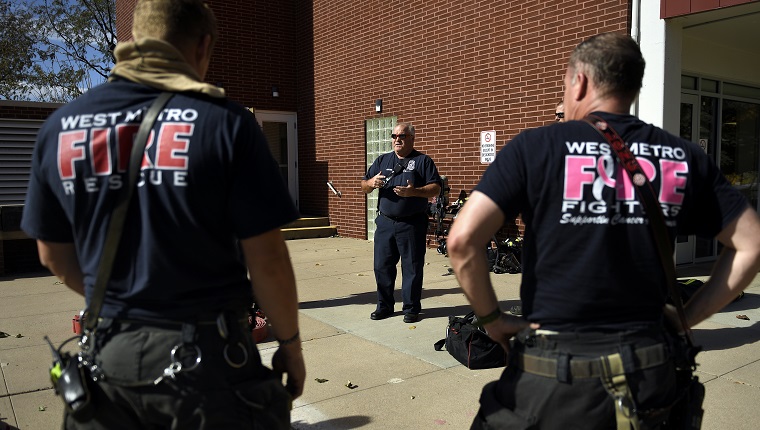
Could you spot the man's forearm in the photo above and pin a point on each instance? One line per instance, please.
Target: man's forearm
(478, 220)
(736, 267)
(274, 283)
(731, 274)
(61, 259)
(471, 269)
(428, 191)
(367, 185)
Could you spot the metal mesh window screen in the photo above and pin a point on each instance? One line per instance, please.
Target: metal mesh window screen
(378, 141)
(17, 138)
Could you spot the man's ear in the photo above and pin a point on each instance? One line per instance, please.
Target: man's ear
(579, 86)
(203, 54)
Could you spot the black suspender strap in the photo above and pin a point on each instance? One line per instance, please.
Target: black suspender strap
(119, 214)
(652, 208)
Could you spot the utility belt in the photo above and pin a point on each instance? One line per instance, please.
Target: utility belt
(607, 356)
(566, 368)
(407, 218)
(224, 338)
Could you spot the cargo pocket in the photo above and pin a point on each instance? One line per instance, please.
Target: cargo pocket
(267, 401)
(495, 416)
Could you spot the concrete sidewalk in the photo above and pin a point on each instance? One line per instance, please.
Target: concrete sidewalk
(399, 380)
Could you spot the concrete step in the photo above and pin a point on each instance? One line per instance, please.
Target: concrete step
(309, 228)
(309, 221)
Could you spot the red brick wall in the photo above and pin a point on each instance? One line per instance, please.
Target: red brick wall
(255, 50)
(452, 68)
(26, 110)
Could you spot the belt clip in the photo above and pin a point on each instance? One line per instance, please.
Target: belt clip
(624, 406)
(526, 336)
(563, 367)
(221, 325)
(223, 322)
(627, 355)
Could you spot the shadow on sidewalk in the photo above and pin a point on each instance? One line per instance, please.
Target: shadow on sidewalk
(370, 298)
(726, 338)
(25, 275)
(351, 422)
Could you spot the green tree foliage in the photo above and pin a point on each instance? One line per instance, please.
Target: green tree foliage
(17, 50)
(68, 47)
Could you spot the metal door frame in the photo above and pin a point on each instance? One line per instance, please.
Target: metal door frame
(291, 119)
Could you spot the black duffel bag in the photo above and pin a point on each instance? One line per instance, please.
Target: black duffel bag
(470, 344)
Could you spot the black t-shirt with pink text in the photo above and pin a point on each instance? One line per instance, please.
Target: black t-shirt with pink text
(589, 259)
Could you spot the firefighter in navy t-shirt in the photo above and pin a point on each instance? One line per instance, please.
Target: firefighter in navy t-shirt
(593, 284)
(405, 179)
(175, 308)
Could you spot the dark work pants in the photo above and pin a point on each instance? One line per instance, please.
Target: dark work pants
(215, 395)
(404, 240)
(521, 400)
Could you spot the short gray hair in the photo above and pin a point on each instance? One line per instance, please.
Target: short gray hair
(613, 62)
(407, 126)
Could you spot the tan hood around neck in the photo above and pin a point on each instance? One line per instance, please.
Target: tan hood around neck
(158, 64)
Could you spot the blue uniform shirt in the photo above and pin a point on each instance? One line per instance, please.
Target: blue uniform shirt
(415, 167)
(208, 180)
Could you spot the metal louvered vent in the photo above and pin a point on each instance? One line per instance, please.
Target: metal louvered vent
(17, 138)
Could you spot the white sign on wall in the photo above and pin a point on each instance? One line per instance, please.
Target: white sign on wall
(487, 146)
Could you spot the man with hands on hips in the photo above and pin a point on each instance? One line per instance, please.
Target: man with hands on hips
(597, 348)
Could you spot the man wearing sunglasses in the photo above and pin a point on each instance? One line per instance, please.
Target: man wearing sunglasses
(559, 112)
(405, 179)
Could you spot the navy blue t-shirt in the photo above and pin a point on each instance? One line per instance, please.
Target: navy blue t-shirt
(207, 180)
(415, 167)
(589, 259)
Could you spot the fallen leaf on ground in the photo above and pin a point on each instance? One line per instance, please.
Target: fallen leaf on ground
(743, 317)
(320, 380)
(350, 385)
(412, 327)
(42, 408)
(3, 334)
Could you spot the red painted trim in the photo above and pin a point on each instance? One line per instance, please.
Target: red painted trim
(673, 8)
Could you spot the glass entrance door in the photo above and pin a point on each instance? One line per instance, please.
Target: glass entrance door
(724, 119)
(689, 129)
(280, 131)
(740, 146)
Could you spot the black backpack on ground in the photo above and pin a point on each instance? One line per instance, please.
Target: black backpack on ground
(470, 344)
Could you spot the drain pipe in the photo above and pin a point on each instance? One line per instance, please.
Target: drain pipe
(636, 35)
